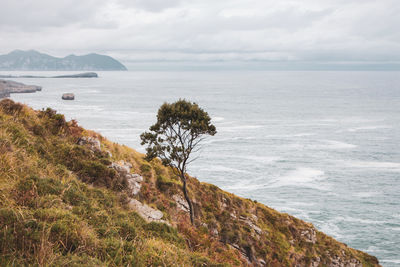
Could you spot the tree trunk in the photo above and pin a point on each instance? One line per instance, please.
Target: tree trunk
(188, 199)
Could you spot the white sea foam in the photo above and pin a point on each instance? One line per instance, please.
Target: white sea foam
(93, 91)
(304, 177)
(397, 261)
(332, 144)
(375, 165)
(368, 128)
(289, 135)
(264, 160)
(221, 140)
(324, 145)
(220, 168)
(366, 194)
(217, 119)
(238, 128)
(358, 220)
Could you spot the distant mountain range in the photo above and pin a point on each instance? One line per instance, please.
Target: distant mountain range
(33, 60)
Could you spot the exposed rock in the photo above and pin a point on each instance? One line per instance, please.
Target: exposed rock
(224, 201)
(68, 96)
(315, 262)
(309, 235)
(148, 213)
(262, 262)
(242, 252)
(93, 142)
(122, 166)
(135, 183)
(134, 180)
(214, 232)
(337, 261)
(251, 224)
(181, 203)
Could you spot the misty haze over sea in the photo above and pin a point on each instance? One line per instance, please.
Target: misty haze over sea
(322, 146)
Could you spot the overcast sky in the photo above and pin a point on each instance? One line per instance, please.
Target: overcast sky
(335, 31)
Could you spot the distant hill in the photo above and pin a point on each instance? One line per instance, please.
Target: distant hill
(33, 60)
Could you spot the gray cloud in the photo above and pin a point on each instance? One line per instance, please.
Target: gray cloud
(206, 30)
(150, 5)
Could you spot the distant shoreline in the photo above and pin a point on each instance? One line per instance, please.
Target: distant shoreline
(79, 75)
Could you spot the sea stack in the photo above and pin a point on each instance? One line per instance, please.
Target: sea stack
(68, 96)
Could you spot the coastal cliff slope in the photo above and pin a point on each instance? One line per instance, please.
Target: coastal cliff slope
(70, 197)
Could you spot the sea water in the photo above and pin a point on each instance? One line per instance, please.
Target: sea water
(322, 146)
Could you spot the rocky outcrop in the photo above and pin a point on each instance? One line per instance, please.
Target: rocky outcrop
(337, 261)
(181, 203)
(309, 235)
(10, 87)
(251, 223)
(122, 168)
(134, 180)
(146, 212)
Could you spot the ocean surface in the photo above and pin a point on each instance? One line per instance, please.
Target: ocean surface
(322, 146)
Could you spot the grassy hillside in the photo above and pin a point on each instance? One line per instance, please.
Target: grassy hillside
(69, 197)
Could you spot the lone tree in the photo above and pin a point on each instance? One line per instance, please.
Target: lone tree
(179, 129)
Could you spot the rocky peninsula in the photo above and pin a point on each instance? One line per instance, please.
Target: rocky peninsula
(79, 75)
(10, 87)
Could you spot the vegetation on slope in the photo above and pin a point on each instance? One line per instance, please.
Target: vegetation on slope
(61, 204)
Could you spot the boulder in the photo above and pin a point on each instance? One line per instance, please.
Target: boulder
(148, 213)
(68, 96)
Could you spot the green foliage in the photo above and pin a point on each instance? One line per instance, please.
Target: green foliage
(177, 133)
(165, 232)
(163, 183)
